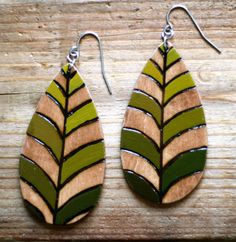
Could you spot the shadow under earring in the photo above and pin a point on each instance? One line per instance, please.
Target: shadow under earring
(164, 137)
(62, 161)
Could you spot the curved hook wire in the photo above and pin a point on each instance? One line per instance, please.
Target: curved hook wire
(168, 31)
(74, 54)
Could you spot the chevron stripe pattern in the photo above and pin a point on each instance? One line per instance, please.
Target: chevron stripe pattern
(164, 139)
(62, 161)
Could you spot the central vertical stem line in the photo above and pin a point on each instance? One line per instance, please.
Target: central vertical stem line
(162, 123)
(67, 76)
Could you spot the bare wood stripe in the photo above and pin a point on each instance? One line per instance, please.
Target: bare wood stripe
(177, 67)
(141, 121)
(86, 134)
(48, 107)
(141, 166)
(80, 96)
(77, 218)
(148, 85)
(182, 188)
(183, 101)
(41, 156)
(88, 178)
(158, 58)
(192, 139)
(35, 199)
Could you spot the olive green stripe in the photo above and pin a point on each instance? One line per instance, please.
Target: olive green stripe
(141, 186)
(75, 83)
(140, 144)
(45, 131)
(56, 93)
(185, 120)
(78, 204)
(81, 159)
(85, 113)
(179, 84)
(144, 102)
(172, 56)
(187, 163)
(151, 70)
(38, 178)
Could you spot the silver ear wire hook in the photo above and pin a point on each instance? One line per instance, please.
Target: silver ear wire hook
(168, 31)
(74, 54)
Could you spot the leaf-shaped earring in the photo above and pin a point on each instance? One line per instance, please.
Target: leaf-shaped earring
(164, 137)
(62, 161)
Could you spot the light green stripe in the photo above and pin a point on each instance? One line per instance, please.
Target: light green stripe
(140, 144)
(172, 56)
(179, 84)
(46, 132)
(142, 101)
(65, 68)
(151, 70)
(55, 91)
(81, 159)
(35, 175)
(182, 122)
(75, 82)
(82, 115)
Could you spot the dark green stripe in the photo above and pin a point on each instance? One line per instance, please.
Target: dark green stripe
(78, 204)
(75, 83)
(34, 211)
(179, 84)
(37, 177)
(141, 145)
(146, 103)
(187, 163)
(141, 186)
(82, 115)
(43, 130)
(56, 93)
(151, 70)
(182, 122)
(84, 157)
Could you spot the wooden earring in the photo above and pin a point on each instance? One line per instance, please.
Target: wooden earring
(62, 161)
(164, 137)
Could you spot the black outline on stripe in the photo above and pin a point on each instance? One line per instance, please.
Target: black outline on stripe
(73, 152)
(173, 63)
(172, 161)
(181, 112)
(145, 179)
(177, 93)
(46, 146)
(87, 122)
(38, 192)
(49, 120)
(77, 89)
(146, 112)
(141, 156)
(198, 126)
(154, 79)
(79, 194)
(177, 76)
(151, 79)
(74, 110)
(60, 87)
(28, 203)
(179, 179)
(56, 102)
(40, 168)
(137, 90)
(144, 134)
(70, 178)
(157, 65)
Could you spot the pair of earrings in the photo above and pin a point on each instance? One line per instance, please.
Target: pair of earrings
(163, 139)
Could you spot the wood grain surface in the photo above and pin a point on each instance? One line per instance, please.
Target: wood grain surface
(35, 37)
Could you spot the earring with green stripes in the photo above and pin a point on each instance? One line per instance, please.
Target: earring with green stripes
(62, 161)
(164, 136)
